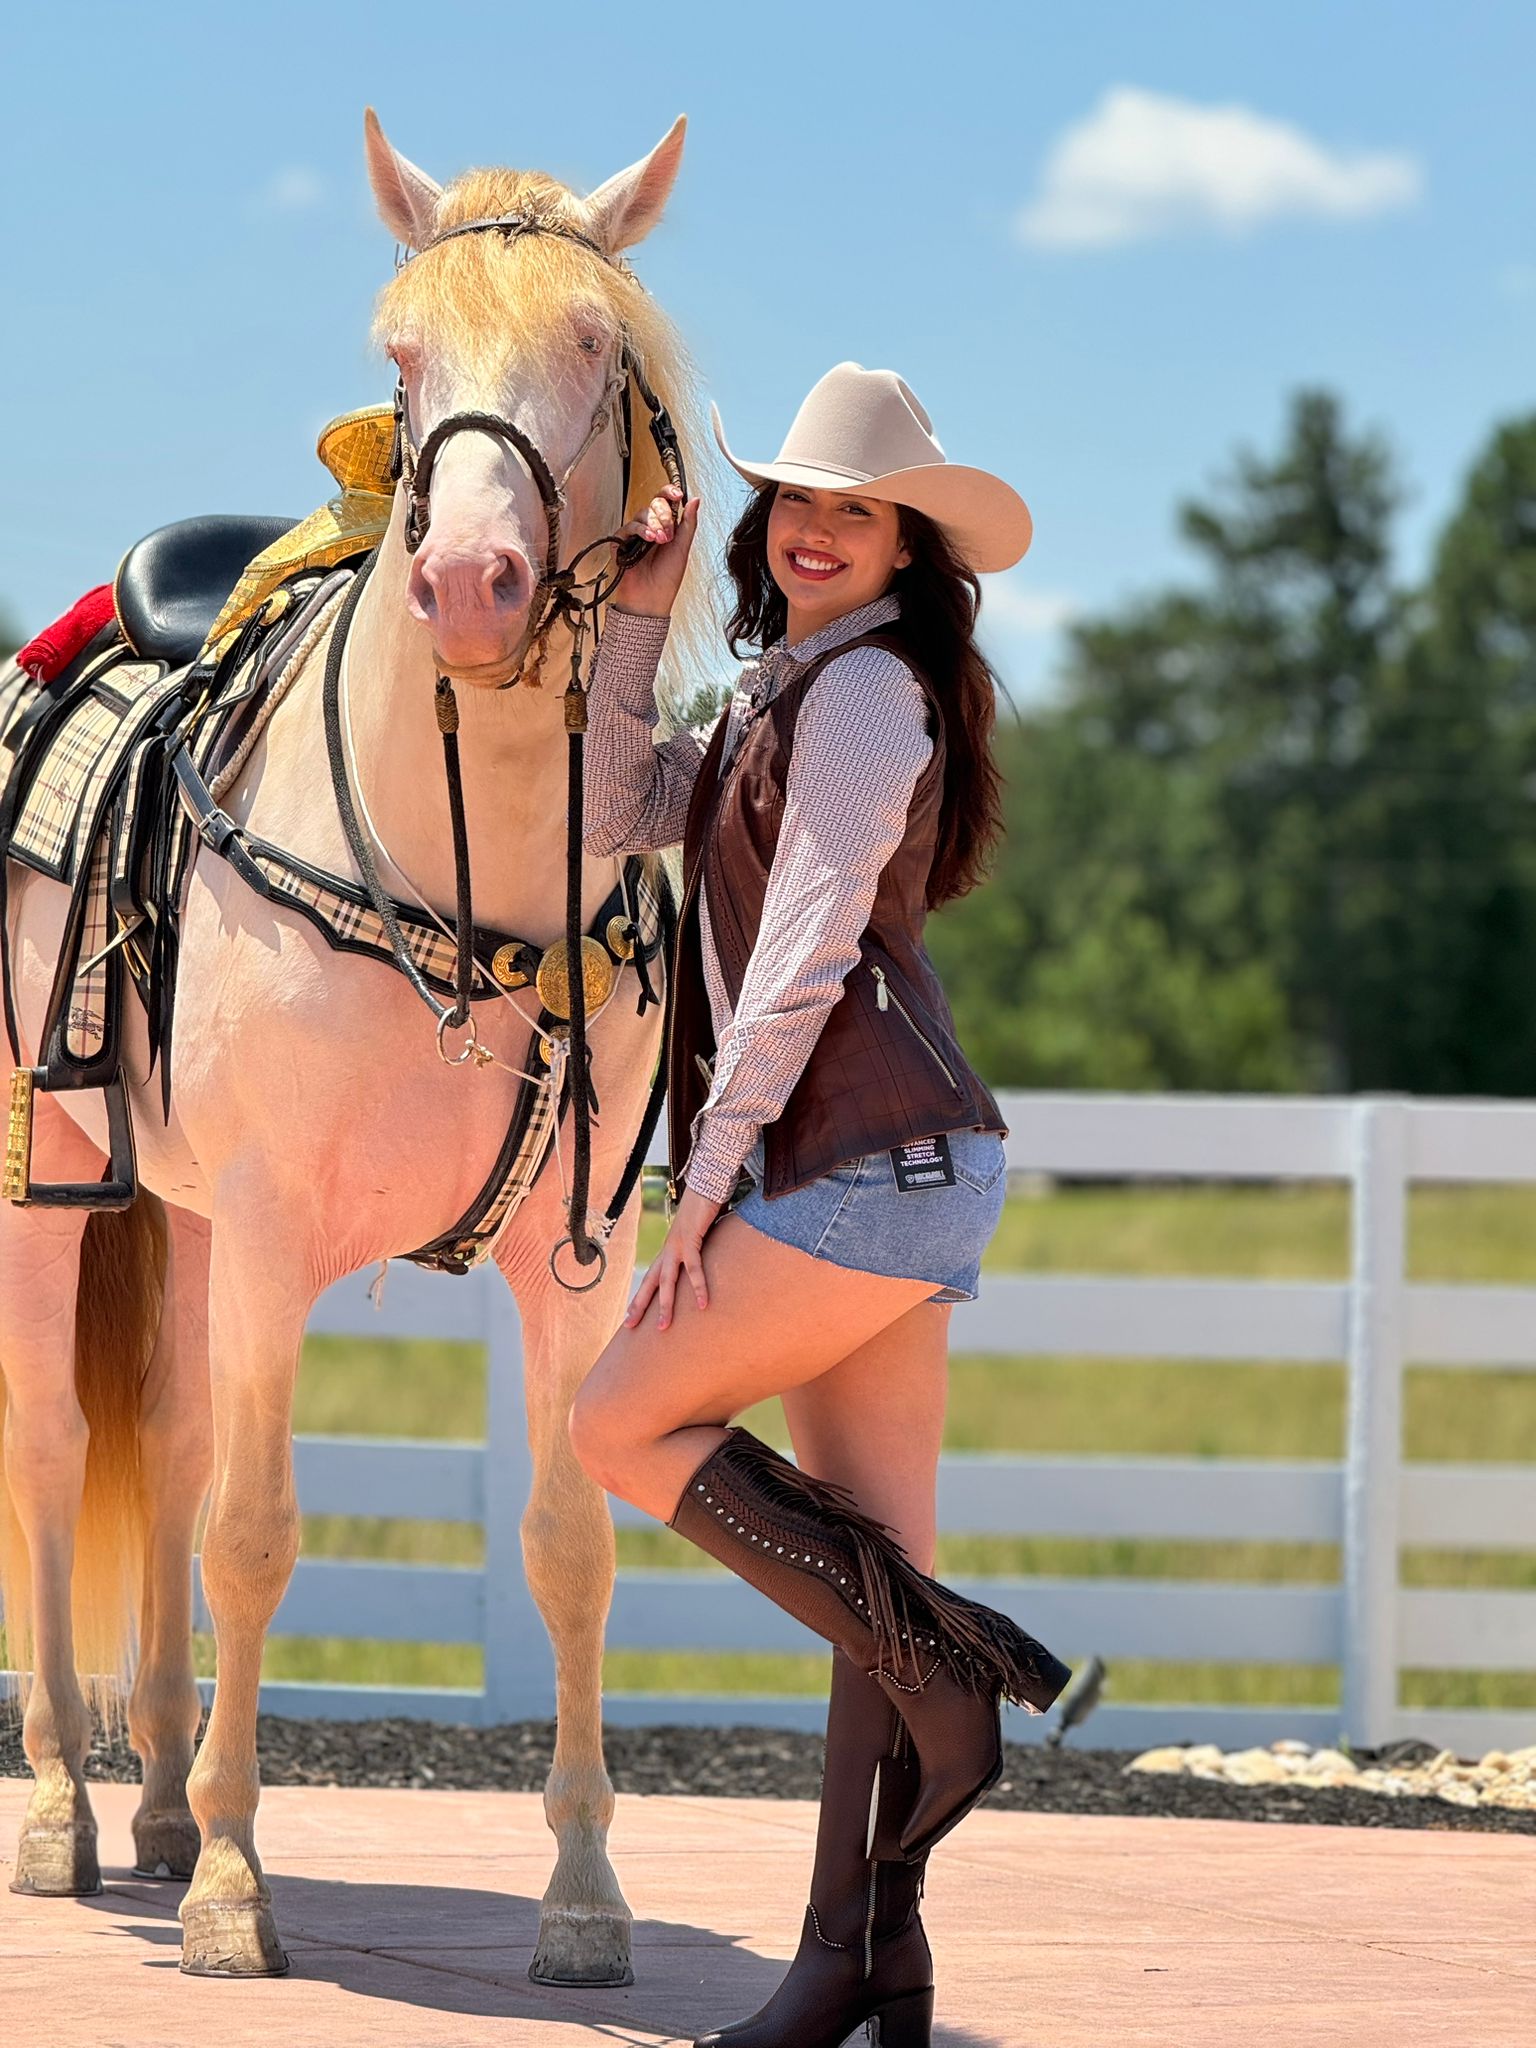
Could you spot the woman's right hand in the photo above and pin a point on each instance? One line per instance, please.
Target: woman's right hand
(651, 584)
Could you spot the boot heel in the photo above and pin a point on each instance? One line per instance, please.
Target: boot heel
(904, 2023)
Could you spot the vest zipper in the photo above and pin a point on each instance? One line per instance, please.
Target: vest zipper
(885, 995)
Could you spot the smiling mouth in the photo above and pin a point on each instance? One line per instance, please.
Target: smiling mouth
(813, 567)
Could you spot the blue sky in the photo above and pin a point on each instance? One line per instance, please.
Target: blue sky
(1102, 241)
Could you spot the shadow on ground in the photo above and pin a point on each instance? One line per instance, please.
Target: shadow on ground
(449, 1949)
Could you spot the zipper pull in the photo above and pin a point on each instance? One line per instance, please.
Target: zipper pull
(882, 995)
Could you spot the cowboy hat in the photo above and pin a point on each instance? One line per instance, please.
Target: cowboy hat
(866, 432)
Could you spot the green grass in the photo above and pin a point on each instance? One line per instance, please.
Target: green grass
(1096, 1406)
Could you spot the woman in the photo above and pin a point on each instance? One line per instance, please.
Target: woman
(818, 1093)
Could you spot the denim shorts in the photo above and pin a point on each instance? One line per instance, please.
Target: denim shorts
(857, 1217)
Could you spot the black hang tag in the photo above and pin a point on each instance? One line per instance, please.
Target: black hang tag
(923, 1163)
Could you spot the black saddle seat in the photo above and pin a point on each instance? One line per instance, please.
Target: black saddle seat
(173, 583)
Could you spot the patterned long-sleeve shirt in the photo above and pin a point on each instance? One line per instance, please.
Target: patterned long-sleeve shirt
(861, 741)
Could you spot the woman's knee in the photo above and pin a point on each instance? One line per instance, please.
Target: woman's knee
(598, 1435)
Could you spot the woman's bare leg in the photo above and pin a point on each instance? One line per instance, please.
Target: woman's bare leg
(874, 1423)
(652, 1408)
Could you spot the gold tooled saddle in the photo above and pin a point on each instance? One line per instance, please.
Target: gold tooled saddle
(355, 448)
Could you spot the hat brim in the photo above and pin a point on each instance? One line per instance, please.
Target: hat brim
(985, 519)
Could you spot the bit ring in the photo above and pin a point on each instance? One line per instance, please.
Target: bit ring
(471, 1043)
(586, 1286)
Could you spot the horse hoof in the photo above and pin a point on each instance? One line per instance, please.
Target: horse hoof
(165, 1845)
(581, 1948)
(235, 1938)
(58, 1862)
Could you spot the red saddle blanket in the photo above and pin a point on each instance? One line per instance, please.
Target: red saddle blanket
(57, 645)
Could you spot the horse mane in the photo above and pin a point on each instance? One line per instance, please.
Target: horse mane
(472, 300)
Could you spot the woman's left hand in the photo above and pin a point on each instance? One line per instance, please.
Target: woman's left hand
(683, 1252)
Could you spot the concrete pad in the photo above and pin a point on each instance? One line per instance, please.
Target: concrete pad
(411, 1918)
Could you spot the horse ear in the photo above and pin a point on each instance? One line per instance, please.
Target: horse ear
(405, 196)
(625, 209)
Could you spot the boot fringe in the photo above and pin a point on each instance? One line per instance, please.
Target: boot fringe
(908, 1612)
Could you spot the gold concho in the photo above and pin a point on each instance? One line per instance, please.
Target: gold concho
(558, 1033)
(598, 975)
(505, 968)
(620, 936)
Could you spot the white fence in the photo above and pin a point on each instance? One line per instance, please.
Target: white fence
(1372, 1503)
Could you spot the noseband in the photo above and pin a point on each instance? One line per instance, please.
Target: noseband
(560, 593)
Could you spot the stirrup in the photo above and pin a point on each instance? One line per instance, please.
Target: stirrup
(117, 1188)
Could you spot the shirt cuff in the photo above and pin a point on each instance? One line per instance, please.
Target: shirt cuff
(723, 1144)
(636, 636)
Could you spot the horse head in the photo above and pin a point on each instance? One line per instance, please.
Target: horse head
(515, 311)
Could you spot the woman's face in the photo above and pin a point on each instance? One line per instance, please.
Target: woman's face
(830, 553)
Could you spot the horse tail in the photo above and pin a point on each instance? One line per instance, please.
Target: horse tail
(117, 1318)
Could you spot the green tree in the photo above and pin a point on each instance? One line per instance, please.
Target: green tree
(1197, 873)
(1452, 836)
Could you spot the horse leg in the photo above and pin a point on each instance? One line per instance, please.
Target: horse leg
(568, 1554)
(257, 1307)
(176, 1456)
(45, 1447)
(47, 1438)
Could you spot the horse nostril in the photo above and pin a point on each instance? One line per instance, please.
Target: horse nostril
(511, 586)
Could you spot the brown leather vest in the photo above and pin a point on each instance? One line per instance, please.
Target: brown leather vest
(887, 1066)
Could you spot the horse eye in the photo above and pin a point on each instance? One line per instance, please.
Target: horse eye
(591, 343)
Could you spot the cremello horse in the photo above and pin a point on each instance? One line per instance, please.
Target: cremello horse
(315, 1129)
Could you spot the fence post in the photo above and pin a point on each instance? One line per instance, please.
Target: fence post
(1372, 1473)
(519, 1666)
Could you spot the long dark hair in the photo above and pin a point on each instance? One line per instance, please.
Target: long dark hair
(939, 601)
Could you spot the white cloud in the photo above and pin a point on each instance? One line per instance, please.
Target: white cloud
(294, 189)
(1015, 606)
(1144, 164)
(1021, 628)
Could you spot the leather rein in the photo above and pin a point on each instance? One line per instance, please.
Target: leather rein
(562, 595)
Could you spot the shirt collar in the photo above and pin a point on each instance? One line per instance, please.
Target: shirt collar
(880, 611)
(877, 613)
(768, 671)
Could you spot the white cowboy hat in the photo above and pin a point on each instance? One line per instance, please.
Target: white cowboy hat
(865, 431)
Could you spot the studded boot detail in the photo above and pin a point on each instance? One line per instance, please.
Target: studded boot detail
(863, 1955)
(943, 1661)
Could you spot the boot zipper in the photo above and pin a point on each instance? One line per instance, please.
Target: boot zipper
(885, 995)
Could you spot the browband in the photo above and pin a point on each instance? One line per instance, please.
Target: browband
(514, 224)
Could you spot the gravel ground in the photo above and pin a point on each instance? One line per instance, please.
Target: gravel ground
(762, 1763)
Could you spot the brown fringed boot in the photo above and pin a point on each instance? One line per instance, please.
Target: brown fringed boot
(945, 1662)
(863, 1955)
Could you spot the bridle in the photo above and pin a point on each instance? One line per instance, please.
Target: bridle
(562, 594)
(559, 593)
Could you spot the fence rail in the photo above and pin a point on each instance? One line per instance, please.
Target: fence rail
(1370, 1503)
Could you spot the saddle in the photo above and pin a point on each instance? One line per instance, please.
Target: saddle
(110, 776)
(173, 584)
